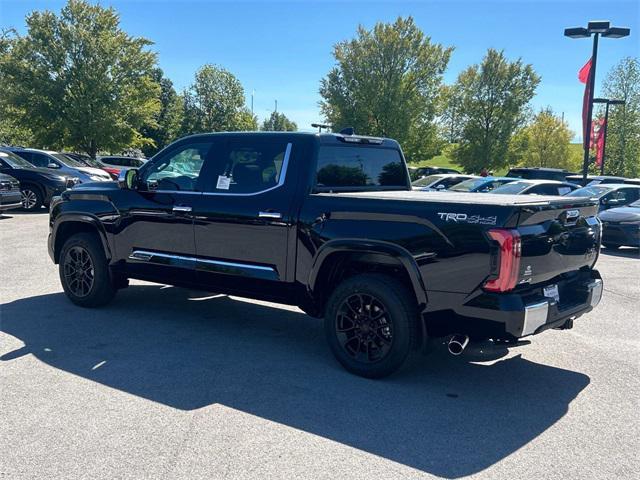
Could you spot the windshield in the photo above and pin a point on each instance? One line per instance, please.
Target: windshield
(91, 162)
(469, 185)
(14, 160)
(423, 182)
(592, 191)
(513, 188)
(68, 161)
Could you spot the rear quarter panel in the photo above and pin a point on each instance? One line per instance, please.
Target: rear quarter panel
(451, 254)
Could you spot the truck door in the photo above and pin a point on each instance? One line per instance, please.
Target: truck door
(245, 217)
(156, 226)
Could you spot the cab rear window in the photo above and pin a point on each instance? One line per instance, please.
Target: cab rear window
(354, 168)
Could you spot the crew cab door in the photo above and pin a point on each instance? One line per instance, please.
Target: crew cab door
(156, 226)
(245, 216)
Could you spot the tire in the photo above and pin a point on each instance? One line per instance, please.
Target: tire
(31, 198)
(84, 271)
(370, 324)
(612, 246)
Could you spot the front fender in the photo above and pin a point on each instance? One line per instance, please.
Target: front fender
(66, 224)
(373, 247)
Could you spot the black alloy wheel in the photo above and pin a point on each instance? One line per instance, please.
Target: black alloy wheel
(84, 271)
(78, 271)
(363, 328)
(371, 324)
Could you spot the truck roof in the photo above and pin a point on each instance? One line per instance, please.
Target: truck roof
(323, 138)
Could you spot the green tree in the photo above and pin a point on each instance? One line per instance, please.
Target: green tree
(543, 143)
(166, 124)
(79, 81)
(11, 132)
(452, 115)
(387, 82)
(494, 96)
(623, 132)
(278, 122)
(215, 102)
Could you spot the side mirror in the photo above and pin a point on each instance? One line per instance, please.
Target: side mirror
(128, 179)
(53, 165)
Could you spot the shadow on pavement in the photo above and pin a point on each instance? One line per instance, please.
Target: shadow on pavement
(443, 415)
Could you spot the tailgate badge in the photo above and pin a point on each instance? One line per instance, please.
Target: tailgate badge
(527, 271)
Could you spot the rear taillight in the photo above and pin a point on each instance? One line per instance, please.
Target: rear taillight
(508, 260)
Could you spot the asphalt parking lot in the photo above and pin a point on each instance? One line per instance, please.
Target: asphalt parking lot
(170, 383)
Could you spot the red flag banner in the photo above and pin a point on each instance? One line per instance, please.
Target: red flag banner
(584, 75)
(599, 141)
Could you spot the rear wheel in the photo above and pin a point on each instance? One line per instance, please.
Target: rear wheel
(370, 324)
(84, 271)
(31, 198)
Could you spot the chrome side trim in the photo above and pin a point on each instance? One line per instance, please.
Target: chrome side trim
(275, 215)
(535, 315)
(596, 288)
(216, 266)
(235, 265)
(182, 208)
(283, 174)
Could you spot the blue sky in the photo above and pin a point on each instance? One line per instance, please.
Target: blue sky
(281, 50)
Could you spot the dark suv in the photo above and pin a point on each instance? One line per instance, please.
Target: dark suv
(38, 185)
(539, 173)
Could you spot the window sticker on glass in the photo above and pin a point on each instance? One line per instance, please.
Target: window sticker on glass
(223, 182)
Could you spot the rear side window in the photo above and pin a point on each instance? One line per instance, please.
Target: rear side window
(357, 167)
(247, 166)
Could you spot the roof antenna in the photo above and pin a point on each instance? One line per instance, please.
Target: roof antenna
(347, 131)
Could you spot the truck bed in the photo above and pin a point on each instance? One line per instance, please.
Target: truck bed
(465, 198)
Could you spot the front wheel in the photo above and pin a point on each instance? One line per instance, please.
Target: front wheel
(31, 198)
(84, 271)
(370, 324)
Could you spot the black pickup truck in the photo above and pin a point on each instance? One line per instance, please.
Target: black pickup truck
(328, 222)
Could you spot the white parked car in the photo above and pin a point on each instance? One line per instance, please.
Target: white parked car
(536, 187)
(439, 182)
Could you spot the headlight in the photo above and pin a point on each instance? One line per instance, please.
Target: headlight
(71, 182)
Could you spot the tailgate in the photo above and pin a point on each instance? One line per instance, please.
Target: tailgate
(559, 237)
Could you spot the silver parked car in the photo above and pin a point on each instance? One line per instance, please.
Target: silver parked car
(63, 165)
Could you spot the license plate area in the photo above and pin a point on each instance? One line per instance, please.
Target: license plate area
(551, 291)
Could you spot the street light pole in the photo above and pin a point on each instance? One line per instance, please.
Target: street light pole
(592, 83)
(607, 103)
(604, 138)
(595, 28)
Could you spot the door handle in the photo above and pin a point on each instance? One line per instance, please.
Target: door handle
(276, 215)
(182, 208)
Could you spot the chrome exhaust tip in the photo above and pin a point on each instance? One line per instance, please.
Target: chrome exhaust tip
(457, 344)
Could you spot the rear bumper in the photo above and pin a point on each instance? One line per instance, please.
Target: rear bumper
(509, 316)
(546, 313)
